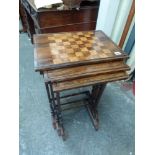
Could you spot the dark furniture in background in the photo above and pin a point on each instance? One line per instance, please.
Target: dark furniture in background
(51, 20)
(22, 16)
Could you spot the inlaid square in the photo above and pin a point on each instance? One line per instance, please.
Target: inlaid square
(79, 54)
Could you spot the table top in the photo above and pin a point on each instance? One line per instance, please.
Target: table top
(58, 50)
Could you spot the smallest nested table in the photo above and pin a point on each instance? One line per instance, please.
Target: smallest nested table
(77, 59)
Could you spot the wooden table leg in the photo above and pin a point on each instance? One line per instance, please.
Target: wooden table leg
(54, 99)
(97, 91)
(94, 99)
(93, 115)
(56, 109)
(52, 105)
(61, 131)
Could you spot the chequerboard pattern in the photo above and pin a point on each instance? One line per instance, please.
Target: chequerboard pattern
(69, 47)
(77, 47)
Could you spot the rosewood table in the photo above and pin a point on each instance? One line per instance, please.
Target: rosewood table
(71, 60)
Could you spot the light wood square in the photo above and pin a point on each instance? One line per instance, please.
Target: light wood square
(90, 33)
(84, 49)
(75, 36)
(61, 48)
(79, 42)
(100, 44)
(106, 51)
(70, 39)
(66, 43)
(93, 52)
(72, 59)
(58, 41)
(96, 48)
(57, 61)
(83, 38)
(74, 46)
(80, 33)
(54, 51)
(88, 45)
(64, 55)
(69, 50)
(52, 44)
(79, 54)
(51, 38)
(102, 55)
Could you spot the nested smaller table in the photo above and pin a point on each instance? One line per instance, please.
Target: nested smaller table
(77, 59)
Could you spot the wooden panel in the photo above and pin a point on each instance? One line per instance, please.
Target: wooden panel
(71, 73)
(89, 81)
(59, 18)
(69, 28)
(74, 48)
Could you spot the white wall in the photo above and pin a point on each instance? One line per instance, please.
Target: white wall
(107, 14)
(121, 18)
(112, 17)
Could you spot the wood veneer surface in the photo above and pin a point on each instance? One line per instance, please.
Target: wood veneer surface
(74, 48)
(103, 78)
(71, 73)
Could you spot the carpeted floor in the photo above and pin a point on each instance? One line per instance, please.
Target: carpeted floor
(37, 137)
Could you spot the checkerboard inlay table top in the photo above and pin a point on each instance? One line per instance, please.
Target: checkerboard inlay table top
(74, 48)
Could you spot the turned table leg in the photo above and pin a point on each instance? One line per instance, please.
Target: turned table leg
(57, 119)
(52, 103)
(61, 131)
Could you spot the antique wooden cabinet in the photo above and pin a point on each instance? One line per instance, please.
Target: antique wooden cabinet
(51, 20)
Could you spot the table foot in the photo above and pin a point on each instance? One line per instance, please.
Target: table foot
(94, 116)
(54, 122)
(61, 132)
